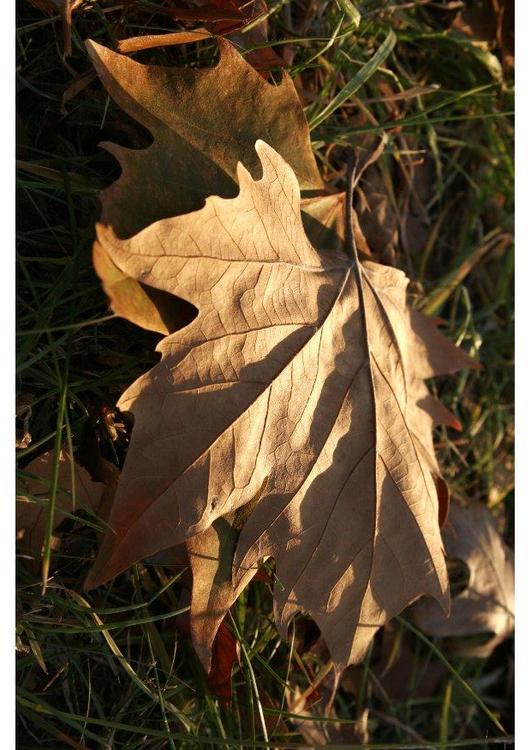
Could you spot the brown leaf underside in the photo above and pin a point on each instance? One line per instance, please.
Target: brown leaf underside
(298, 388)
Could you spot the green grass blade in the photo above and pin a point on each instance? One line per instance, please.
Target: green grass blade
(348, 7)
(54, 482)
(361, 77)
(464, 684)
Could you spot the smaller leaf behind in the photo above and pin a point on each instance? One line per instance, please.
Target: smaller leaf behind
(487, 603)
(202, 126)
(76, 491)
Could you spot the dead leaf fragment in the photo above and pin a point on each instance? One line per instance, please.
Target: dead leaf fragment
(392, 667)
(225, 654)
(296, 388)
(76, 490)
(490, 22)
(64, 8)
(312, 725)
(487, 603)
(323, 217)
(23, 414)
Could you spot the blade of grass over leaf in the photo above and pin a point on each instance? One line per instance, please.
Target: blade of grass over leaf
(254, 684)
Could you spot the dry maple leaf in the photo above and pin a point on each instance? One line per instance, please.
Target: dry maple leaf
(298, 388)
(487, 603)
(198, 116)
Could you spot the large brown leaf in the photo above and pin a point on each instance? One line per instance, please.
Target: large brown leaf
(487, 603)
(296, 388)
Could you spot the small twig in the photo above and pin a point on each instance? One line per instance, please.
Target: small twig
(350, 241)
(354, 175)
(138, 43)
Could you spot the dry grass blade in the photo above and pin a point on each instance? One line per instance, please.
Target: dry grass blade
(138, 43)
